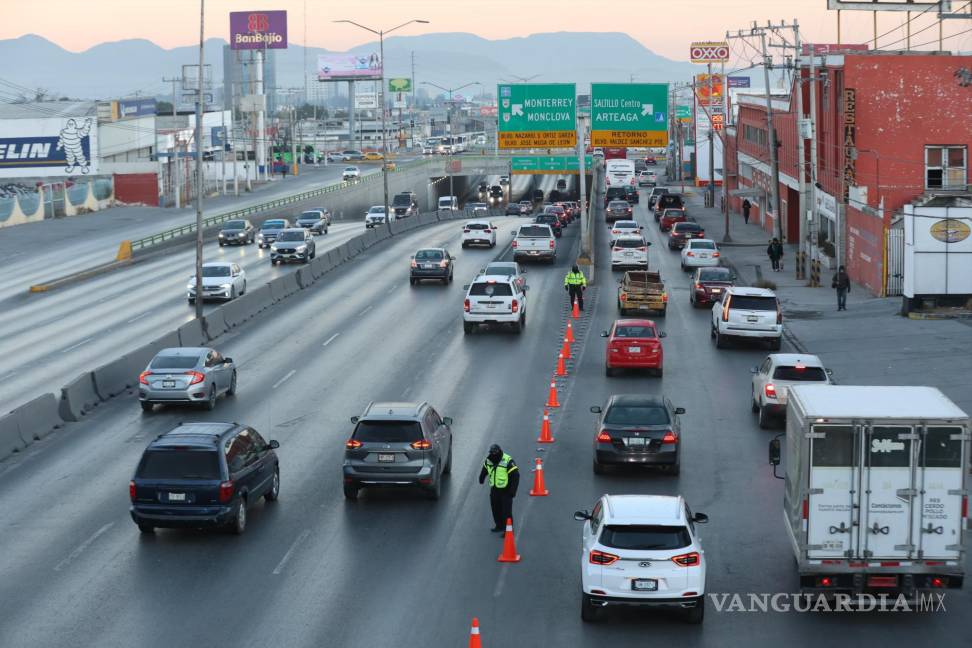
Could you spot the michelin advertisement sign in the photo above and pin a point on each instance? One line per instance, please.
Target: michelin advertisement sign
(57, 147)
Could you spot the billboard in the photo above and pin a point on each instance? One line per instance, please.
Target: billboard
(345, 67)
(738, 81)
(488, 111)
(400, 84)
(257, 30)
(709, 52)
(61, 146)
(130, 108)
(399, 100)
(708, 91)
(367, 101)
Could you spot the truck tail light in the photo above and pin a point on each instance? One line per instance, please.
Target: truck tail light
(670, 438)
(515, 306)
(825, 581)
(226, 491)
(624, 297)
(143, 377)
(131, 490)
(665, 297)
(602, 558)
(465, 305)
(687, 560)
(422, 444)
(770, 390)
(603, 437)
(806, 508)
(352, 444)
(965, 506)
(551, 244)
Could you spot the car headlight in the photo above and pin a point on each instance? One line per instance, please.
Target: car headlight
(273, 247)
(226, 286)
(241, 234)
(221, 235)
(301, 248)
(260, 236)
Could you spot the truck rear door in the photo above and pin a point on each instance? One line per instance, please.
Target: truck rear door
(887, 492)
(938, 511)
(829, 510)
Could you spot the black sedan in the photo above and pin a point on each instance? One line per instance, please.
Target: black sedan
(513, 209)
(553, 221)
(237, 232)
(431, 263)
(637, 430)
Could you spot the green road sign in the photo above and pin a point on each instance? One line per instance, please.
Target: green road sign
(629, 114)
(400, 84)
(565, 164)
(537, 114)
(683, 113)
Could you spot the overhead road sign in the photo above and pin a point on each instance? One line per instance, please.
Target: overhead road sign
(537, 115)
(553, 164)
(683, 113)
(709, 52)
(629, 114)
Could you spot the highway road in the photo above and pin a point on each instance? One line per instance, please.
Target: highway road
(395, 569)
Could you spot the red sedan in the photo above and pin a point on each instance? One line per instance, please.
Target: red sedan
(671, 216)
(634, 344)
(708, 284)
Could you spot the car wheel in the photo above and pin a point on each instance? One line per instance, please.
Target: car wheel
(146, 407)
(608, 371)
(696, 615)
(232, 293)
(450, 276)
(232, 387)
(211, 402)
(674, 469)
(467, 327)
(239, 520)
(684, 269)
(146, 528)
(599, 468)
(712, 330)
(720, 340)
(518, 326)
(274, 492)
(243, 292)
(192, 302)
(464, 245)
(448, 467)
(659, 372)
(435, 490)
(763, 418)
(351, 492)
(221, 244)
(590, 613)
(776, 344)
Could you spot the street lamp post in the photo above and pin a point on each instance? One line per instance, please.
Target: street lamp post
(384, 131)
(450, 91)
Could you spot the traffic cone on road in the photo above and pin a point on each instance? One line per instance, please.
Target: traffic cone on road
(561, 369)
(539, 488)
(576, 313)
(474, 635)
(552, 398)
(566, 349)
(570, 331)
(509, 546)
(545, 435)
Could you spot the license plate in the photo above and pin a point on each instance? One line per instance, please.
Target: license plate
(177, 497)
(534, 252)
(636, 442)
(752, 318)
(717, 290)
(634, 349)
(490, 305)
(428, 266)
(627, 254)
(703, 256)
(168, 384)
(644, 584)
(386, 457)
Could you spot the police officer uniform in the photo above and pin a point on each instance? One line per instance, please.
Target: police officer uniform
(574, 283)
(504, 478)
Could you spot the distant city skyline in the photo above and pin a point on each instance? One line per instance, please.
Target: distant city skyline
(664, 26)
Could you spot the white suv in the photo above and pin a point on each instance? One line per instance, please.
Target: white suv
(642, 550)
(479, 232)
(629, 250)
(773, 378)
(494, 299)
(747, 313)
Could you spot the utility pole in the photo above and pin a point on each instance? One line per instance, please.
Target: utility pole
(813, 149)
(411, 122)
(199, 166)
(801, 143)
(710, 192)
(173, 81)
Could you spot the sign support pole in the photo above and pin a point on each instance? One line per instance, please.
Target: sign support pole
(585, 240)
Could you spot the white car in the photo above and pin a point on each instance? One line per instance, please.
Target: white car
(534, 241)
(448, 203)
(494, 300)
(336, 157)
(220, 280)
(375, 216)
(351, 174)
(624, 227)
(427, 150)
(642, 550)
(478, 209)
(629, 250)
(744, 312)
(777, 373)
(647, 179)
(700, 253)
(479, 232)
(509, 269)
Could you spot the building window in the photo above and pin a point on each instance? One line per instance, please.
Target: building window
(755, 135)
(746, 171)
(945, 167)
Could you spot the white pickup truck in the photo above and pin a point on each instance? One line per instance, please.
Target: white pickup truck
(876, 495)
(534, 241)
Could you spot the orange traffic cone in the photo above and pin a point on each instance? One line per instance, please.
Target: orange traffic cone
(474, 635)
(552, 398)
(509, 546)
(570, 331)
(566, 349)
(561, 369)
(545, 435)
(539, 488)
(576, 313)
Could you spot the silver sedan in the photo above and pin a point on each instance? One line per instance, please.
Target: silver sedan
(186, 375)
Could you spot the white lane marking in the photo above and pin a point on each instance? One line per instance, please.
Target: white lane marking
(285, 378)
(283, 561)
(330, 339)
(138, 317)
(84, 545)
(75, 346)
(392, 289)
(408, 390)
(9, 374)
(365, 311)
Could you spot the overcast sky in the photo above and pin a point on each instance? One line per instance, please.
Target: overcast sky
(664, 26)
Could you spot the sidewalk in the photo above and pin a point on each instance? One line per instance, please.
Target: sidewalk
(870, 342)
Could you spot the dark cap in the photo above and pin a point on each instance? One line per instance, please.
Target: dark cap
(495, 450)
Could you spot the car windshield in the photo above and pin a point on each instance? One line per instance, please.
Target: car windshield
(715, 274)
(547, 218)
(403, 200)
(674, 213)
(495, 269)
(753, 302)
(174, 362)
(800, 373)
(485, 289)
(388, 431)
(429, 255)
(376, 210)
(645, 537)
(179, 464)
(629, 243)
(702, 245)
(634, 331)
(669, 200)
(309, 215)
(625, 225)
(234, 224)
(274, 224)
(618, 204)
(534, 232)
(477, 226)
(350, 169)
(682, 228)
(637, 415)
(290, 236)
(445, 202)
(216, 271)
(554, 209)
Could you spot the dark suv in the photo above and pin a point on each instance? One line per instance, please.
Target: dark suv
(398, 444)
(637, 430)
(203, 475)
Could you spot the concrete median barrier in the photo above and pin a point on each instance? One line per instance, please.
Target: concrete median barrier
(10, 439)
(115, 377)
(320, 266)
(234, 311)
(305, 276)
(216, 322)
(283, 287)
(191, 334)
(78, 397)
(256, 301)
(38, 418)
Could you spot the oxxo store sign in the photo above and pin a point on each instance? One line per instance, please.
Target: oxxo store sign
(537, 115)
(629, 114)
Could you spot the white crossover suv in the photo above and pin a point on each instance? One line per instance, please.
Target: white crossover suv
(494, 300)
(642, 550)
(744, 312)
(773, 378)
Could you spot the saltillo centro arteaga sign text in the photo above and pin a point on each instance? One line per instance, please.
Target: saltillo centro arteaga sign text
(257, 30)
(537, 114)
(629, 114)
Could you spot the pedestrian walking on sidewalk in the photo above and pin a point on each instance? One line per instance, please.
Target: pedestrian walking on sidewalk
(841, 283)
(746, 206)
(775, 252)
(575, 283)
(504, 479)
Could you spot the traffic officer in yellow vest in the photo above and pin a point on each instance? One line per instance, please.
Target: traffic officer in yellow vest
(504, 478)
(575, 283)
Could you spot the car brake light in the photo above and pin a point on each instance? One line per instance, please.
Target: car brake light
(602, 558)
(422, 444)
(131, 490)
(691, 254)
(196, 377)
(143, 377)
(826, 581)
(515, 305)
(725, 310)
(486, 231)
(603, 437)
(514, 244)
(614, 231)
(352, 444)
(643, 249)
(551, 244)
(465, 305)
(715, 254)
(664, 296)
(687, 560)
(770, 390)
(465, 231)
(616, 249)
(624, 296)
(698, 286)
(669, 438)
(226, 491)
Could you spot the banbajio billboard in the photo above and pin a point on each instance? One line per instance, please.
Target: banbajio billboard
(255, 30)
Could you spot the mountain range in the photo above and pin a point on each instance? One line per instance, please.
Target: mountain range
(136, 66)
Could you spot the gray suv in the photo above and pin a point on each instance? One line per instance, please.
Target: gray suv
(186, 375)
(398, 444)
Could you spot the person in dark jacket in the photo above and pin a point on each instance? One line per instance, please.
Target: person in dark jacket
(841, 283)
(504, 479)
(775, 252)
(746, 206)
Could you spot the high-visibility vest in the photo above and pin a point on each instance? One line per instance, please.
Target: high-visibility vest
(575, 279)
(499, 475)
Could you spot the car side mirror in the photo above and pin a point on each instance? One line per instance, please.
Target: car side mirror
(595, 409)
(513, 232)
(830, 372)
(754, 369)
(465, 287)
(679, 410)
(604, 333)
(447, 420)
(274, 444)
(648, 243)
(582, 516)
(355, 419)
(700, 518)
(774, 452)
(227, 360)
(662, 334)
(452, 258)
